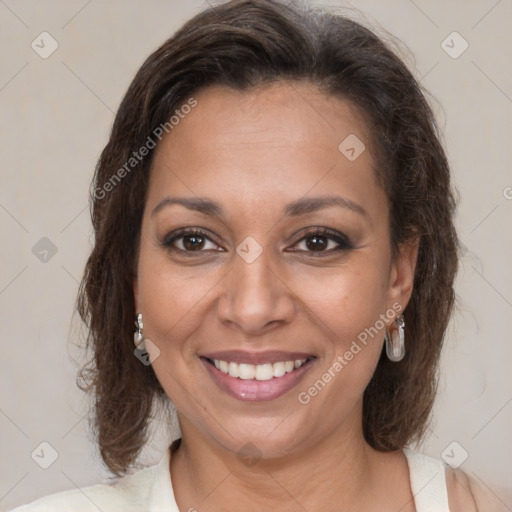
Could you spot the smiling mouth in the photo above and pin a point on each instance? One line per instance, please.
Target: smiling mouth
(265, 371)
(257, 376)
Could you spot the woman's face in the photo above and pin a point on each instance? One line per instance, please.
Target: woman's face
(261, 286)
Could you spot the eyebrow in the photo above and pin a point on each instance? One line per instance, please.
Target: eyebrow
(294, 209)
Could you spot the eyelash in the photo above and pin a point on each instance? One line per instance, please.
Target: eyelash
(343, 242)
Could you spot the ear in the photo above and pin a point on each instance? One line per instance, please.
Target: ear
(402, 273)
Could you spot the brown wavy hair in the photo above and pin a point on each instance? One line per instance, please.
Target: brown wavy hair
(243, 44)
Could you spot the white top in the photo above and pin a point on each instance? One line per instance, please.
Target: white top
(150, 490)
(428, 482)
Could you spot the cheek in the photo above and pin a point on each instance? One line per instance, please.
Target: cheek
(348, 298)
(351, 303)
(170, 304)
(174, 300)
(351, 310)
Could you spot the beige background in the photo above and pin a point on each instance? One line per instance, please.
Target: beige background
(56, 114)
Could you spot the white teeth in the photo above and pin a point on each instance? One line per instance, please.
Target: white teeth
(233, 370)
(264, 371)
(246, 371)
(279, 369)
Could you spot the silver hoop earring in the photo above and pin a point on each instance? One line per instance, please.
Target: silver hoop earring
(395, 344)
(138, 336)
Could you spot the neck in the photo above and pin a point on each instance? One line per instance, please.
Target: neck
(340, 468)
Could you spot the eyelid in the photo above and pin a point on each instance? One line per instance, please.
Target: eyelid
(342, 241)
(169, 239)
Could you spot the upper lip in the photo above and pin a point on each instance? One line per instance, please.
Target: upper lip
(271, 356)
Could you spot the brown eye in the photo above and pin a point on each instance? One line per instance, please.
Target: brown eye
(317, 243)
(193, 242)
(189, 241)
(324, 240)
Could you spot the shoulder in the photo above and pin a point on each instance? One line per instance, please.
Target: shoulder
(434, 481)
(128, 494)
(466, 494)
(92, 498)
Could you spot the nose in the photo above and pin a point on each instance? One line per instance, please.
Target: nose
(255, 297)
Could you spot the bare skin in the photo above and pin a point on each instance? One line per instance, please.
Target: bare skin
(254, 152)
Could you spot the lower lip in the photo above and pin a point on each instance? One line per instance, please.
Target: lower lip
(257, 390)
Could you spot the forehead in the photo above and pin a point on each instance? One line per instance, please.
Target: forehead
(272, 143)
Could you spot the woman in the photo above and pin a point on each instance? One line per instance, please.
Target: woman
(274, 211)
